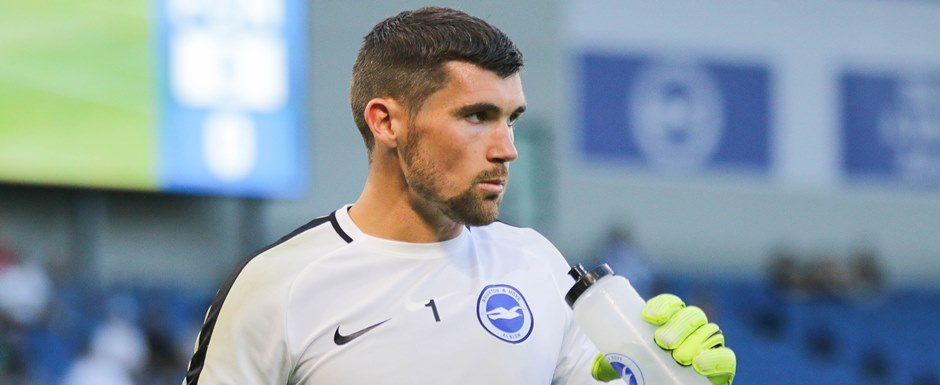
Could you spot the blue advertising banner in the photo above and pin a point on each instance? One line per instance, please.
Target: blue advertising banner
(232, 97)
(675, 115)
(891, 128)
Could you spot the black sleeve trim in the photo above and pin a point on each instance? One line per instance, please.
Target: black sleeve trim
(199, 357)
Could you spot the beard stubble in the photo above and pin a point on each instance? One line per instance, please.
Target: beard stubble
(470, 206)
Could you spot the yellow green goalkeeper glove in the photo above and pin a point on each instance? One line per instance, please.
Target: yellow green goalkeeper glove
(686, 332)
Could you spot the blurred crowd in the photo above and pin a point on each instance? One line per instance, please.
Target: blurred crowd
(56, 328)
(858, 277)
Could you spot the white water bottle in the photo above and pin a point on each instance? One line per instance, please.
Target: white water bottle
(610, 312)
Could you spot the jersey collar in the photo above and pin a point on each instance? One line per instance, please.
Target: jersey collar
(418, 250)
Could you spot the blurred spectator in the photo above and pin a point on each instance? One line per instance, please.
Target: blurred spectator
(7, 256)
(626, 259)
(786, 274)
(96, 369)
(11, 360)
(170, 336)
(24, 292)
(118, 349)
(827, 278)
(867, 278)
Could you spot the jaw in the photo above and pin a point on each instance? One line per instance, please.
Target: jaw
(474, 207)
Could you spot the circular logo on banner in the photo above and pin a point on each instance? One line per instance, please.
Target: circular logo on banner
(629, 371)
(503, 311)
(676, 115)
(909, 128)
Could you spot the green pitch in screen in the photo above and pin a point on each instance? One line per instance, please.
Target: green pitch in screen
(77, 103)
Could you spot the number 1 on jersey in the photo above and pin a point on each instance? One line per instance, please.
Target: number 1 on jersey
(433, 307)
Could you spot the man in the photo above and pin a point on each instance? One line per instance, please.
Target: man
(414, 283)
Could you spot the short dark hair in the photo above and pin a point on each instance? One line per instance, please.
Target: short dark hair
(403, 57)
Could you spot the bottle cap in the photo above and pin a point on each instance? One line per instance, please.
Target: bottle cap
(584, 279)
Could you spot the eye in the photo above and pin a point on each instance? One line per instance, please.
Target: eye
(513, 119)
(476, 117)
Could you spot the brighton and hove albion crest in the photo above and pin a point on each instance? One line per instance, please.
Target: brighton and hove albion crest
(629, 371)
(677, 115)
(503, 311)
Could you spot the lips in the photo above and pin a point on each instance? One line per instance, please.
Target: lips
(494, 180)
(494, 185)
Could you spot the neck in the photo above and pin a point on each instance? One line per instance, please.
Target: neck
(388, 209)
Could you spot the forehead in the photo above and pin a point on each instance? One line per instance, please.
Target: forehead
(468, 83)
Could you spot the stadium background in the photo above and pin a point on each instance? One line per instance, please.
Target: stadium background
(768, 231)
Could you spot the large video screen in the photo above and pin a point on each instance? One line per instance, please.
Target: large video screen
(171, 95)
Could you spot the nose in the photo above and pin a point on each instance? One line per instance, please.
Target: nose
(502, 148)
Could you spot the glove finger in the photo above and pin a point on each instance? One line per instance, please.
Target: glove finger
(680, 326)
(661, 308)
(602, 370)
(706, 337)
(718, 364)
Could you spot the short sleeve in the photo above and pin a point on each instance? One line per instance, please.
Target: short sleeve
(243, 339)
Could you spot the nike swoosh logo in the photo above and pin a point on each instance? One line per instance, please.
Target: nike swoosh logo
(340, 339)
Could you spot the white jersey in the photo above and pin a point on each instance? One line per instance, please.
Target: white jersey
(329, 304)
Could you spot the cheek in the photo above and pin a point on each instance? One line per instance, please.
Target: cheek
(437, 163)
(457, 162)
(448, 170)
(446, 151)
(452, 152)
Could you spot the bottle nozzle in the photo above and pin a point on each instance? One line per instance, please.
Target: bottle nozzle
(577, 271)
(583, 280)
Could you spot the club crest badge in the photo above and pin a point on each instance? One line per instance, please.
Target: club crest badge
(504, 313)
(629, 371)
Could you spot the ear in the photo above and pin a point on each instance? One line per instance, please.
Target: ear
(386, 119)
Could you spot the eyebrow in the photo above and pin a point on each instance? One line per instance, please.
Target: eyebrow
(484, 107)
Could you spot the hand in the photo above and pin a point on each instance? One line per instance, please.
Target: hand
(687, 333)
(691, 338)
